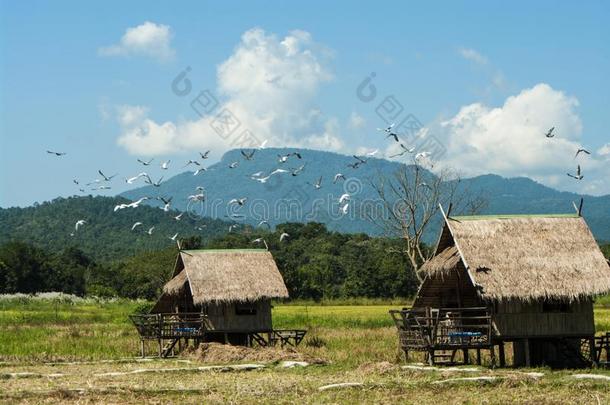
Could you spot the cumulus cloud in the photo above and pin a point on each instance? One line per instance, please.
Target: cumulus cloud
(148, 39)
(268, 85)
(473, 56)
(509, 140)
(604, 151)
(356, 121)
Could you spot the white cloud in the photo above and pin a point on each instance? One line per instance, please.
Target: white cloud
(473, 56)
(356, 121)
(604, 151)
(148, 39)
(269, 84)
(510, 141)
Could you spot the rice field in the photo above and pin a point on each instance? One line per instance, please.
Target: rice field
(66, 351)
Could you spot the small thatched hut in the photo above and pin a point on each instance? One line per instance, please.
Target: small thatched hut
(233, 288)
(536, 276)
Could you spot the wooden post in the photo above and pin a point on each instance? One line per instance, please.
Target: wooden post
(492, 355)
(160, 341)
(528, 362)
(592, 350)
(466, 356)
(502, 355)
(226, 338)
(142, 348)
(478, 356)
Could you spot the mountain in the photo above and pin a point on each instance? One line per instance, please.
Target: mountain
(287, 198)
(107, 235)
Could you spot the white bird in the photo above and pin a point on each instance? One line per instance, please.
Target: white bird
(137, 203)
(404, 150)
(231, 227)
(196, 197)
(179, 216)
(337, 177)
(166, 203)
(263, 223)
(165, 165)
(282, 159)
(583, 151)
(146, 163)
(345, 197)
(578, 175)
(318, 184)
(106, 178)
(191, 162)
(120, 207)
(79, 223)
(389, 131)
(150, 230)
(278, 171)
(199, 188)
(174, 237)
(233, 165)
(297, 171)
(372, 153)
(204, 155)
(344, 209)
(132, 179)
(263, 144)
(257, 174)
(238, 201)
(152, 183)
(283, 236)
(134, 226)
(261, 240)
(56, 153)
(550, 133)
(200, 170)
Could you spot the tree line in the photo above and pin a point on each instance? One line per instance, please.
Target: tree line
(315, 263)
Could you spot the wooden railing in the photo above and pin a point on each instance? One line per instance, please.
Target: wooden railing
(170, 325)
(425, 328)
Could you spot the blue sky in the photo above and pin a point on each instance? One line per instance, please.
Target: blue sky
(485, 79)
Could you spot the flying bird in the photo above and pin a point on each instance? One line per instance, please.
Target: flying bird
(404, 150)
(248, 156)
(191, 162)
(263, 222)
(134, 226)
(150, 230)
(318, 184)
(179, 216)
(344, 209)
(79, 223)
(200, 170)
(238, 201)
(233, 165)
(137, 203)
(146, 163)
(283, 236)
(297, 171)
(583, 151)
(166, 203)
(132, 179)
(165, 165)
(344, 198)
(152, 183)
(372, 153)
(550, 133)
(106, 178)
(120, 207)
(196, 197)
(337, 177)
(75, 182)
(56, 153)
(204, 155)
(578, 175)
(231, 227)
(174, 237)
(389, 132)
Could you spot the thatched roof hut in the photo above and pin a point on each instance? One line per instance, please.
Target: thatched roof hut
(215, 276)
(525, 257)
(233, 288)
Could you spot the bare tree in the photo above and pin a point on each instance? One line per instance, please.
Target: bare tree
(411, 198)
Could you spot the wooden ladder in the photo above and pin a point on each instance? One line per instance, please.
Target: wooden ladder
(169, 347)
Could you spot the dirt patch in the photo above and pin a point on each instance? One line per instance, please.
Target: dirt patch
(218, 353)
(377, 368)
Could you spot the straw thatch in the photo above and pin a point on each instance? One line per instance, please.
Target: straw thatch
(227, 276)
(525, 257)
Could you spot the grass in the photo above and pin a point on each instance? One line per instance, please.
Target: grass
(356, 340)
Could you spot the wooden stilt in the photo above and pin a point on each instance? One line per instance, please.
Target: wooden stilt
(160, 341)
(478, 357)
(492, 355)
(142, 348)
(528, 362)
(466, 356)
(592, 350)
(502, 355)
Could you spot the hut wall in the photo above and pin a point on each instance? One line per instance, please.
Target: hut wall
(451, 290)
(231, 316)
(515, 318)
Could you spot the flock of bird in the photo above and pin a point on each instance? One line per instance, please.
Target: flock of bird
(578, 176)
(237, 203)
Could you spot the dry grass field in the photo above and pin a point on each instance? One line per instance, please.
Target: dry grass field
(54, 352)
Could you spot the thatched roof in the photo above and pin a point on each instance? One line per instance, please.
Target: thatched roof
(524, 257)
(227, 275)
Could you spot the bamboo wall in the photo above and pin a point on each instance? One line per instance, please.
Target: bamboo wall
(224, 317)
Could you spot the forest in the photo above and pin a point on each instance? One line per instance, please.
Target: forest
(315, 263)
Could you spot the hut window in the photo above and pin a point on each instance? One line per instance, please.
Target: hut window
(555, 306)
(245, 308)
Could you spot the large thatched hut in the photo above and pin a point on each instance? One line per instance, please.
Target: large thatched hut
(529, 280)
(219, 295)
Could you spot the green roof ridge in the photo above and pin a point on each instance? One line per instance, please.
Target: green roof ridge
(511, 216)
